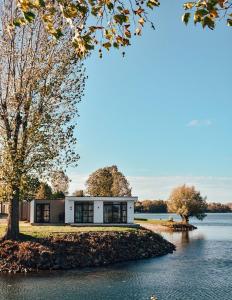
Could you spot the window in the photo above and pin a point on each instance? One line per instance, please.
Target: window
(42, 213)
(83, 212)
(115, 212)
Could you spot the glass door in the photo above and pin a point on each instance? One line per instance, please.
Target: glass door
(83, 212)
(42, 213)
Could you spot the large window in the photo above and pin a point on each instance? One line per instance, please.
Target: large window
(115, 212)
(83, 212)
(42, 213)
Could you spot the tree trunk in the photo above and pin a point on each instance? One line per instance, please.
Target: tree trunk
(185, 219)
(12, 231)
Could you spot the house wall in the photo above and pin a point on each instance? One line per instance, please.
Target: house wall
(98, 211)
(98, 207)
(130, 212)
(57, 210)
(69, 212)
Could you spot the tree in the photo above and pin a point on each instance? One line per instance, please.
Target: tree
(151, 206)
(79, 193)
(60, 182)
(44, 192)
(109, 24)
(187, 202)
(108, 182)
(41, 82)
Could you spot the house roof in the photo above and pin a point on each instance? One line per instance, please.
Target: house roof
(90, 198)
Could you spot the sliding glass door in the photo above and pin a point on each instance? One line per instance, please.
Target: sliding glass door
(83, 212)
(42, 213)
(115, 212)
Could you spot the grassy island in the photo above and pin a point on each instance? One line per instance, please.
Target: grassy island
(66, 247)
(165, 225)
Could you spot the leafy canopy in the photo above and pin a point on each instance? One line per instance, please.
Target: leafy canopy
(108, 182)
(109, 23)
(102, 23)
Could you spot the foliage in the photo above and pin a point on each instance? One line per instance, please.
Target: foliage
(79, 193)
(44, 192)
(107, 24)
(218, 207)
(92, 23)
(208, 12)
(151, 206)
(60, 182)
(187, 202)
(108, 182)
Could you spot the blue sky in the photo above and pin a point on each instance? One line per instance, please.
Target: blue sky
(163, 113)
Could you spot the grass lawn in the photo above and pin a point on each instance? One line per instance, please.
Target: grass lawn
(157, 222)
(45, 231)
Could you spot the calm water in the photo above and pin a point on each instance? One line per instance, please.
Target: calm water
(200, 269)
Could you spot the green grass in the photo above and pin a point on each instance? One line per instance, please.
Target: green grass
(45, 231)
(157, 222)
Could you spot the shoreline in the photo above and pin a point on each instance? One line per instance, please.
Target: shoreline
(81, 250)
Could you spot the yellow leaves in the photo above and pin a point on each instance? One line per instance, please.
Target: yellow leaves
(213, 13)
(25, 5)
(70, 11)
(138, 31)
(141, 21)
(152, 3)
(189, 5)
(107, 45)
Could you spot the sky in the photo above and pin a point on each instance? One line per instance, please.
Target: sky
(163, 113)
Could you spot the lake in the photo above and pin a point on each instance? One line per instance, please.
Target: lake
(200, 269)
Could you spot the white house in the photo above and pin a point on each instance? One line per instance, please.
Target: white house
(99, 210)
(83, 210)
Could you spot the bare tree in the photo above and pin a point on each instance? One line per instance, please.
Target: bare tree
(41, 82)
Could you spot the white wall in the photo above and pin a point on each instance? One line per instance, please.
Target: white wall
(98, 211)
(98, 207)
(69, 211)
(130, 211)
(32, 211)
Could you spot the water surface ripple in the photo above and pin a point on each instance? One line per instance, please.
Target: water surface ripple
(200, 269)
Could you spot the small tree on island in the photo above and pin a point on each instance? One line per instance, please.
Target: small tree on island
(187, 202)
(108, 182)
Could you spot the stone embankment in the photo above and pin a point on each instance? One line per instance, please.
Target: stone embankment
(79, 250)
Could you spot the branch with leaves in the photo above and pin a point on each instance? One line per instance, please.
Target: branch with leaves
(94, 23)
(208, 12)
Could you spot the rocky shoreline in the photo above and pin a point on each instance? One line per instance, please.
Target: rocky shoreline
(79, 250)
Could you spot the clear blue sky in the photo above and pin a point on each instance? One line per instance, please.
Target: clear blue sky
(163, 113)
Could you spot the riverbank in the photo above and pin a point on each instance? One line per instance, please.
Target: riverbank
(79, 250)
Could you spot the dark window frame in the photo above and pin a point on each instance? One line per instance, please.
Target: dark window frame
(86, 214)
(42, 210)
(123, 208)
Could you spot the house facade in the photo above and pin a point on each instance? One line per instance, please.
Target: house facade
(83, 210)
(99, 210)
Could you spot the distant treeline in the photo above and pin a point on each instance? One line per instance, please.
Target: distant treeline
(218, 207)
(151, 206)
(160, 206)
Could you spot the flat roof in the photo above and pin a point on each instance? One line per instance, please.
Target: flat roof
(91, 198)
